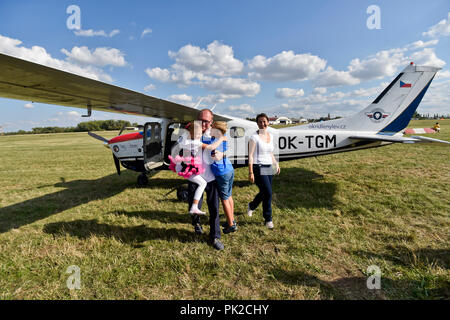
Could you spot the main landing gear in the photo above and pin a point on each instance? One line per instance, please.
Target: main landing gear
(142, 180)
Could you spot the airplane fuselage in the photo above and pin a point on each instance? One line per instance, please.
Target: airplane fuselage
(290, 143)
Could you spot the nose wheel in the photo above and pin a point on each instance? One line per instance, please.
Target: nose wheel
(142, 180)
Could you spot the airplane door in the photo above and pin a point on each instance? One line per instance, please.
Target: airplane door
(153, 151)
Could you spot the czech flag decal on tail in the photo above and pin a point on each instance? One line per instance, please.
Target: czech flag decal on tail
(404, 85)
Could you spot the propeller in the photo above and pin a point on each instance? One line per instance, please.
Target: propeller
(96, 136)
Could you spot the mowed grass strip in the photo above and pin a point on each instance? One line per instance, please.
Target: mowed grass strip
(62, 204)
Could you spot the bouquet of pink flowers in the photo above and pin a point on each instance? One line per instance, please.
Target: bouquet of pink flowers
(186, 166)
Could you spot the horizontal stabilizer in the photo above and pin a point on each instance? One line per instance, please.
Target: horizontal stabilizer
(397, 139)
(427, 139)
(384, 138)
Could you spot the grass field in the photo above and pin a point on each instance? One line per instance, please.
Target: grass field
(62, 204)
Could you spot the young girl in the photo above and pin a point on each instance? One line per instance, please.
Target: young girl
(189, 165)
(224, 173)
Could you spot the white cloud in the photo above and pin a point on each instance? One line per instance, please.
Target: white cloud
(159, 74)
(443, 74)
(285, 66)
(284, 93)
(96, 33)
(437, 99)
(114, 32)
(242, 110)
(421, 44)
(73, 114)
(334, 78)
(39, 55)
(368, 92)
(217, 59)
(99, 57)
(212, 99)
(147, 30)
(440, 29)
(227, 86)
(180, 97)
(318, 103)
(211, 68)
(216, 69)
(29, 106)
(343, 107)
(383, 63)
(320, 90)
(232, 86)
(67, 118)
(427, 57)
(149, 87)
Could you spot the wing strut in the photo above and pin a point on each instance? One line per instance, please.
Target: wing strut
(89, 111)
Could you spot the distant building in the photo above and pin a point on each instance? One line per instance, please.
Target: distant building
(280, 120)
(272, 120)
(299, 120)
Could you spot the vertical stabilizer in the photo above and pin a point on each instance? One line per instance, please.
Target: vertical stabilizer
(392, 110)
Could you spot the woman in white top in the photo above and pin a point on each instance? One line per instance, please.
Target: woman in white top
(260, 161)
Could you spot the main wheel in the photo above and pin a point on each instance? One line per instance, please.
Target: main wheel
(182, 193)
(142, 180)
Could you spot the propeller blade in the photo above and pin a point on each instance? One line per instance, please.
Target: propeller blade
(117, 163)
(96, 136)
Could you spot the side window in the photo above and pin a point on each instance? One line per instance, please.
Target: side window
(237, 132)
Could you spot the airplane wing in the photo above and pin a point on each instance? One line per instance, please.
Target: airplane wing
(398, 139)
(24, 80)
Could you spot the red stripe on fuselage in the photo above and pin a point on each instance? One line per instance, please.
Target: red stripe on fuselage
(126, 137)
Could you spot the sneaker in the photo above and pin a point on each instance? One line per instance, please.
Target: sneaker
(197, 211)
(229, 229)
(198, 229)
(269, 224)
(249, 211)
(218, 245)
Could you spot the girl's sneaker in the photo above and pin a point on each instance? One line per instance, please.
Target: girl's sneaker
(196, 211)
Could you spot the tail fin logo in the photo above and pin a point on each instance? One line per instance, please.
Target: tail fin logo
(377, 115)
(404, 84)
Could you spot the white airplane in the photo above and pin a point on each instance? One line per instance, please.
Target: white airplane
(380, 124)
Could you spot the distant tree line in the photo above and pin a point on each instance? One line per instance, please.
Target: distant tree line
(424, 116)
(97, 125)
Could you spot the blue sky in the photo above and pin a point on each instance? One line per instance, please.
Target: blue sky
(293, 58)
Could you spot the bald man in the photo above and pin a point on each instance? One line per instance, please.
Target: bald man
(212, 195)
